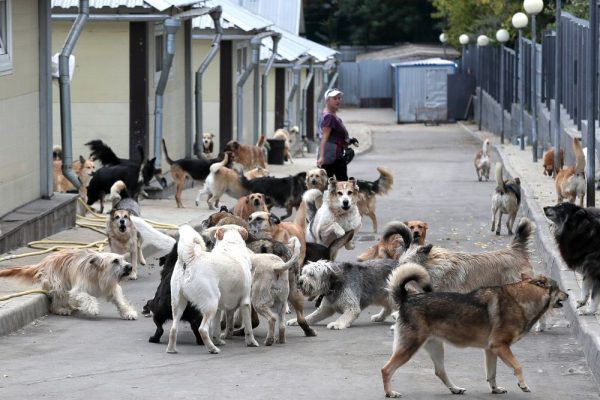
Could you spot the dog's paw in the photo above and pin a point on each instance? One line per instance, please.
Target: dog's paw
(587, 311)
(252, 343)
(292, 322)
(214, 350)
(393, 394)
(349, 245)
(269, 341)
(336, 325)
(524, 388)
(581, 303)
(62, 311)
(219, 341)
(129, 315)
(133, 276)
(377, 318)
(171, 349)
(457, 390)
(499, 390)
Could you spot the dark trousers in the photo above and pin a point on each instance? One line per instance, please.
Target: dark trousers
(339, 169)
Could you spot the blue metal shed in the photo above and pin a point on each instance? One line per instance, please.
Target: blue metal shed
(420, 92)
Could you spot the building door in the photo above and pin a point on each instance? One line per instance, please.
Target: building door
(138, 88)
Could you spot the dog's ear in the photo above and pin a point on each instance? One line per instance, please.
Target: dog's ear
(332, 182)
(247, 199)
(269, 202)
(425, 225)
(219, 233)
(243, 232)
(81, 160)
(526, 277)
(274, 219)
(426, 249)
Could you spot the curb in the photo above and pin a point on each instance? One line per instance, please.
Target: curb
(586, 328)
(22, 311)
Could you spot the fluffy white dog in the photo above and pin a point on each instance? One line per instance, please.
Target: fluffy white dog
(214, 282)
(337, 215)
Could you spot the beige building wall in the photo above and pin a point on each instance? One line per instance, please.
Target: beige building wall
(100, 86)
(19, 112)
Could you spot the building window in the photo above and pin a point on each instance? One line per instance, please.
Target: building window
(242, 59)
(5, 37)
(159, 48)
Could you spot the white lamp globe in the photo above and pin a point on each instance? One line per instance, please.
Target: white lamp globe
(502, 35)
(463, 39)
(520, 20)
(533, 7)
(483, 40)
(443, 37)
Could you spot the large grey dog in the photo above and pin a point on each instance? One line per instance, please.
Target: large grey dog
(348, 288)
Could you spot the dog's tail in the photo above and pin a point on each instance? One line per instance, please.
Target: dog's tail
(102, 152)
(164, 243)
(29, 273)
(190, 244)
(579, 156)
(381, 186)
(400, 228)
(404, 274)
(295, 248)
(523, 239)
(262, 140)
(164, 147)
(215, 167)
(499, 180)
(118, 191)
(486, 146)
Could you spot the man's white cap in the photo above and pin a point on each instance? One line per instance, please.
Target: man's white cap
(332, 93)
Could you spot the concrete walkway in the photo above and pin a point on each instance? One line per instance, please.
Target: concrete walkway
(538, 191)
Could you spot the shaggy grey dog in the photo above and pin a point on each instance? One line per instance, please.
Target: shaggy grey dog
(348, 288)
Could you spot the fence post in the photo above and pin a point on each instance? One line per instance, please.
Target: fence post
(591, 100)
(557, 87)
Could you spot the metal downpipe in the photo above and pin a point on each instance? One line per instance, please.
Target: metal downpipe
(171, 26)
(65, 92)
(215, 14)
(307, 82)
(255, 43)
(295, 83)
(265, 78)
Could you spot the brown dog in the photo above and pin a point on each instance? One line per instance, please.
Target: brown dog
(248, 204)
(282, 134)
(247, 155)
(549, 161)
(84, 169)
(482, 162)
(391, 243)
(492, 318)
(124, 239)
(570, 182)
(261, 221)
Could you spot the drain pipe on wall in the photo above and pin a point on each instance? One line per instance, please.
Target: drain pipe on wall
(307, 82)
(215, 14)
(64, 81)
(263, 88)
(255, 43)
(295, 83)
(171, 26)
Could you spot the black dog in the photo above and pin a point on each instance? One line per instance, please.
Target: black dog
(106, 155)
(577, 233)
(160, 305)
(283, 192)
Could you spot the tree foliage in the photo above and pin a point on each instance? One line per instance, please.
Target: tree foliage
(369, 22)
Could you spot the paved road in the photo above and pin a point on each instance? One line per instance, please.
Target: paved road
(105, 357)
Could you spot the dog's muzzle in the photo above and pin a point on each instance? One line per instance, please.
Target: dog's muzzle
(256, 202)
(122, 226)
(345, 205)
(127, 268)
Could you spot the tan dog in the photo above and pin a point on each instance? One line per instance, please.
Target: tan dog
(248, 204)
(282, 134)
(124, 239)
(492, 318)
(208, 144)
(247, 155)
(73, 277)
(223, 180)
(84, 169)
(570, 181)
(482, 162)
(549, 161)
(271, 288)
(506, 200)
(261, 221)
(316, 178)
(391, 243)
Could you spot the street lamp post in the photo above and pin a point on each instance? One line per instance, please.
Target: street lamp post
(520, 21)
(464, 40)
(502, 37)
(444, 40)
(533, 8)
(482, 41)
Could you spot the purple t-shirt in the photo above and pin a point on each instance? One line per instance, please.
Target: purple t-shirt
(338, 135)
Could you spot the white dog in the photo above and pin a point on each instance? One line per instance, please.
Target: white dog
(271, 288)
(214, 282)
(337, 215)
